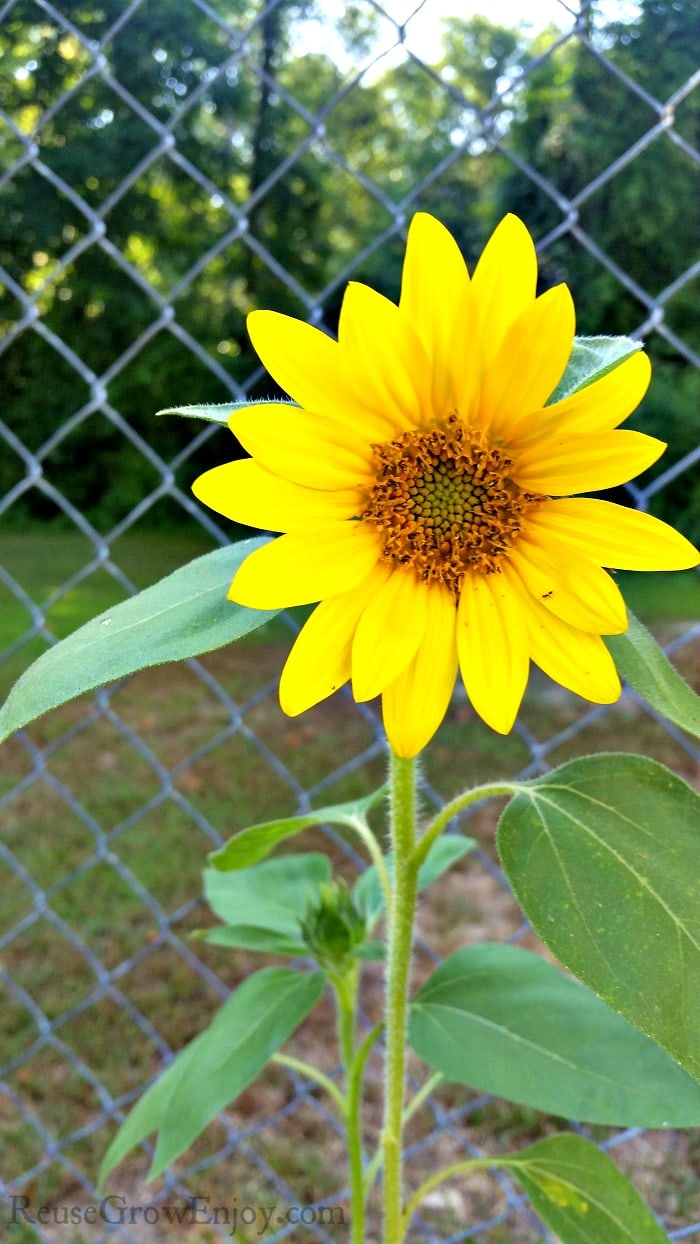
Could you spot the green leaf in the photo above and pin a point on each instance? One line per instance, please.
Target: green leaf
(603, 855)
(582, 1195)
(445, 851)
(505, 1021)
(214, 1068)
(183, 615)
(254, 844)
(590, 360)
(254, 1023)
(271, 897)
(217, 412)
(146, 1115)
(250, 937)
(648, 670)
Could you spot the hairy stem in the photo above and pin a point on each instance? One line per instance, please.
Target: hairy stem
(399, 943)
(413, 1106)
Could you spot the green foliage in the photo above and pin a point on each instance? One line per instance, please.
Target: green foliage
(603, 855)
(213, 412)
(569, 117)
(263, 906)
(368, 893)
(591, 359)
(255, 844)
(648, 670)
(183, 615)
(214, 1068)
(671, 412)
(333, 929)
(275, 905)
(581, 1195)
(504, 1021)
(574, 119)
(587, 849)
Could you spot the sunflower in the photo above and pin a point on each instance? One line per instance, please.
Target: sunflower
(425, 491)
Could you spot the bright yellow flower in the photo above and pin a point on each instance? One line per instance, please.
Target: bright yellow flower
(425, 490)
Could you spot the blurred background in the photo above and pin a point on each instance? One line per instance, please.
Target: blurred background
(165, 167)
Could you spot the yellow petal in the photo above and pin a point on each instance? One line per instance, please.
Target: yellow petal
(383, 352)
(568, 584)
(578, 463)
(301, 358)
(414, 704)
(467, 362)
(303, 447)
(311, 368)
(530, 362)
(493, 652)
(247, 493)
(304, 567)
(388, 634)
(434, 279)
(613, 535)
(504, 280)
(319, 662)
(599, 407)
(575, 659)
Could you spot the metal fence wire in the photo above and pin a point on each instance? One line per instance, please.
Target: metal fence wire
(160, 162)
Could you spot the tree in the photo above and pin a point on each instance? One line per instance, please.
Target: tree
(577, 121)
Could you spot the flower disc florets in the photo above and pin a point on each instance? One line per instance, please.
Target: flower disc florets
(445, 503)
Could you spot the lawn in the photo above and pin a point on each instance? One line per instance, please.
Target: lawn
(114, 832)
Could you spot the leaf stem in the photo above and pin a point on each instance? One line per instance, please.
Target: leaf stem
(312, 1073)
(401, 912)
(457, 805)
(458, 1168)
(345, 989)
(362, 1055)
(364, 832)
(358, 1188)
(423, 1092)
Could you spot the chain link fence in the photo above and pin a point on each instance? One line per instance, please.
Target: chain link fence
(91, 1010)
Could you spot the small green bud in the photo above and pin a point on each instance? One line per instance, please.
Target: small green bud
(333, 926)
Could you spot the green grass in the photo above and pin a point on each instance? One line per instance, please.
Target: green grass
(42, 562)
(662, 597)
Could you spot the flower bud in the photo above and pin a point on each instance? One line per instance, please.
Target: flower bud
(333, 926)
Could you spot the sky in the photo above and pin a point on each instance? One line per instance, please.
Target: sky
(423, 29)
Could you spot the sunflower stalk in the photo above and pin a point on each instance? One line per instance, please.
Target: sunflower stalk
(399, 946)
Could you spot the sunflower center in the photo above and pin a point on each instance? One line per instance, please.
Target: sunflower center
(445, 504)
